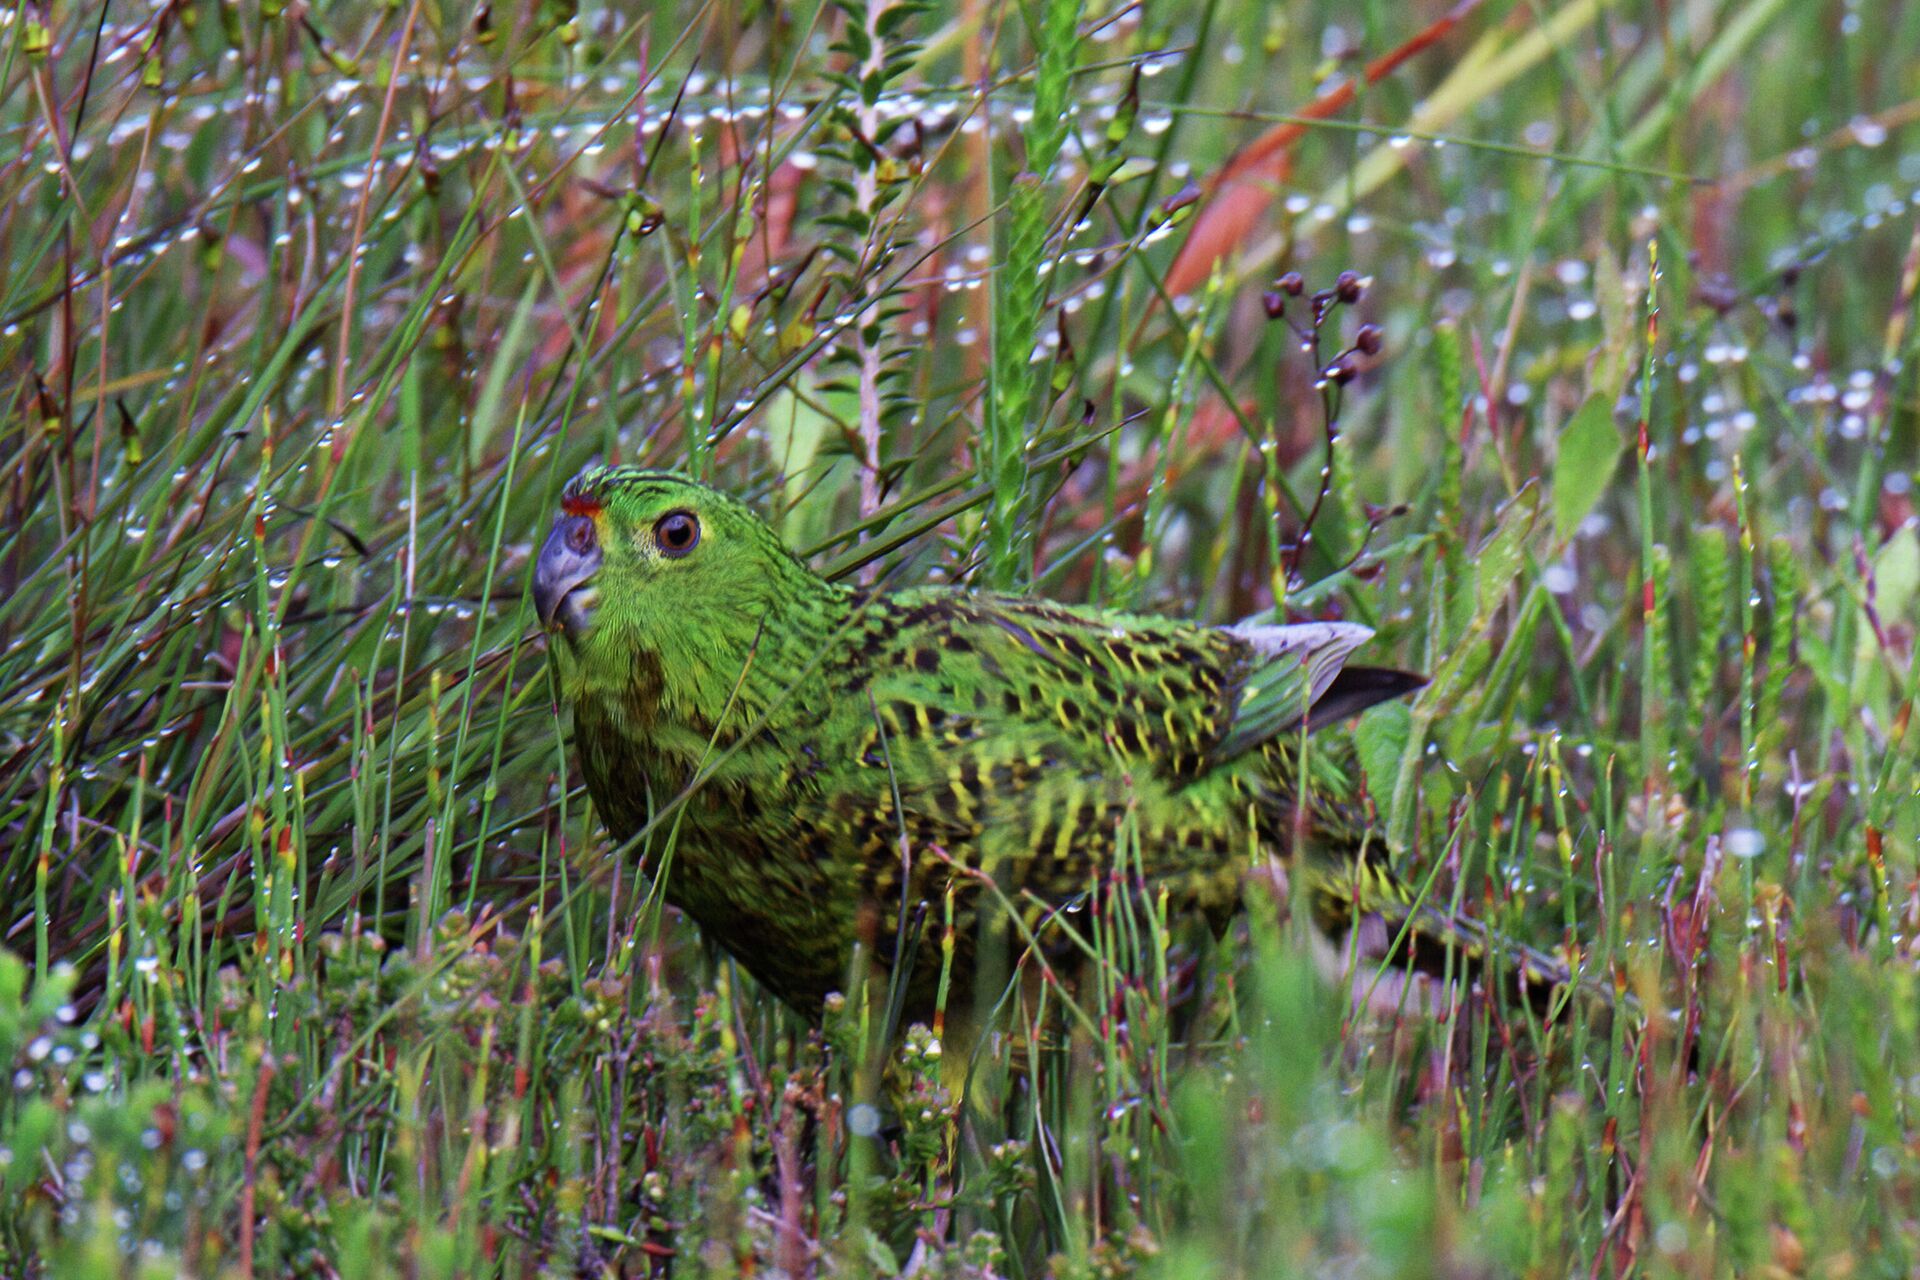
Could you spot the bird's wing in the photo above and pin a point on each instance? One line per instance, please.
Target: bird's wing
(1173, 698)
(1042, 683)
(1297, 675)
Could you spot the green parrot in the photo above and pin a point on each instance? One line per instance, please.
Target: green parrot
(827, 758)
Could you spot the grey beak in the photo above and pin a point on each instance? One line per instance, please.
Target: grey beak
(566, 563)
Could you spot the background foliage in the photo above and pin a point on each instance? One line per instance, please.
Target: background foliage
(318, 963)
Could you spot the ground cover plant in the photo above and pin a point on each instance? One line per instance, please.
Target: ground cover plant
(1567, 344)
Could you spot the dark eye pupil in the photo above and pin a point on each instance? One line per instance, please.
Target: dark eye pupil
(677, 532)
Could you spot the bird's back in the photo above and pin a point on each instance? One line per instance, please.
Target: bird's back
(992, 752)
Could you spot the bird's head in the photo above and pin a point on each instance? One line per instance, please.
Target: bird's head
(652, 560)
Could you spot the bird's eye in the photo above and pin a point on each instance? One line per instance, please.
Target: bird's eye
(676, 533)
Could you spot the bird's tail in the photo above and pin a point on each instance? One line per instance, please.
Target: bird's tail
(1383, 925)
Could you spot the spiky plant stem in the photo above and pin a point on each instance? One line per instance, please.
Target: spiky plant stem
(867, 201)
(1019, 298)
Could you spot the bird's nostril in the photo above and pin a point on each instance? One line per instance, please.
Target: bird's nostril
(580, 536)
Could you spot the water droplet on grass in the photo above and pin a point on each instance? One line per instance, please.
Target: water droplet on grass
(863, 1120)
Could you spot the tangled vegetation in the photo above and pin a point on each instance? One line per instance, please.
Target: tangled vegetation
(1569, 344)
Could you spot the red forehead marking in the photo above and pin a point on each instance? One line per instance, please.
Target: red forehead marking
(580, 505)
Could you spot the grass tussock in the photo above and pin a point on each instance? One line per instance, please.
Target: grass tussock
(313, 958)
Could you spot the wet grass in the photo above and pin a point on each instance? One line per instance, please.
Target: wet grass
(316, 961)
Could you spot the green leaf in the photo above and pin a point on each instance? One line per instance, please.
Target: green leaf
(1619, 326)
(1496, 564)
(1589, 451)
(13, 981)
(1896, 579)
(489, 409)
(33, 1129)
(795, 430)
(1896, 574)
(1449, 365)
(1380, 739)
(879, 1256)
(1500, 557)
